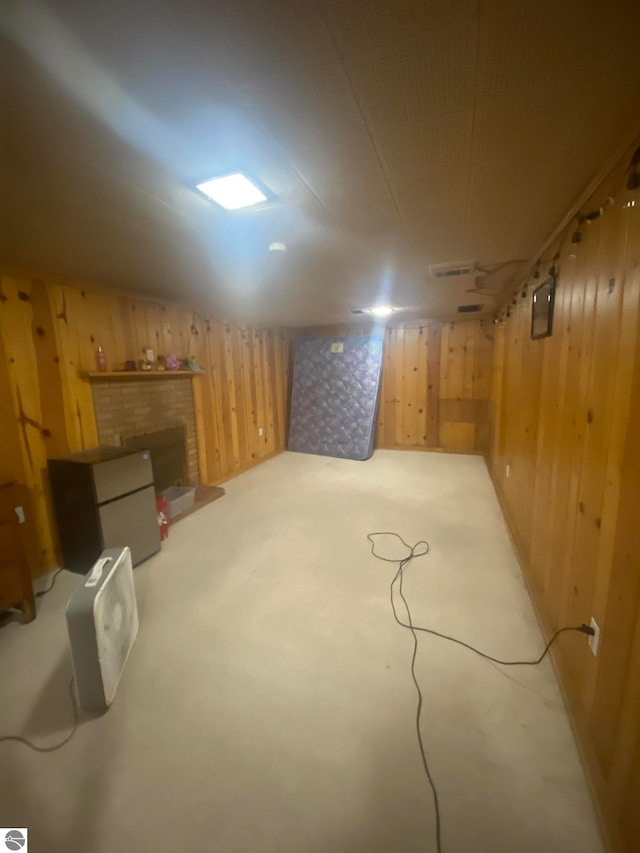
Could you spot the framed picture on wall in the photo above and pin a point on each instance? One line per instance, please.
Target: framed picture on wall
(542, 308)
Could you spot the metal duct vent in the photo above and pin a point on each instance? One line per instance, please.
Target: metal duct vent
(453, 270)
(469, 309)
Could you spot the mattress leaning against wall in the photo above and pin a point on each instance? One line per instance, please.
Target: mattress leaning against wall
(334, 400)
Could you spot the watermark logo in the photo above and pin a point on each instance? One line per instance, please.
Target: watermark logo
(14, 839)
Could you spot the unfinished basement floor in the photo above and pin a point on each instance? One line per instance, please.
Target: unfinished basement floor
(268, 707)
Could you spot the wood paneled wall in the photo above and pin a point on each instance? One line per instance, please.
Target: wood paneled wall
(567, 428)
(436, 384)
(49, 334)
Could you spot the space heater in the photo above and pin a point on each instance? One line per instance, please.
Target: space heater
(102, 621)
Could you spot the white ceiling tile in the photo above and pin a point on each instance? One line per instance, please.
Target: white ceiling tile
(435, 224)
(247, 40)
(339, 170)
(526, 163)
(429, 74)
(370, 214)
(315, 120)
(136, 48)
(317, 108)
(363, 25)
(577, 47)
(435, 148)
(508, 161)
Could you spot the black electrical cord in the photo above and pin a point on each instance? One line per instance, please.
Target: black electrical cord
(50, 587)
(58, 745)
(413, 553)
(399, 576)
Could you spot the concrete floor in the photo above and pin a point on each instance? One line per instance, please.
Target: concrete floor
(267, 706)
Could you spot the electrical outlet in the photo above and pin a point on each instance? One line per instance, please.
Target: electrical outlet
(594, 639)
(20, 513)
(507, 470)
(260, 431)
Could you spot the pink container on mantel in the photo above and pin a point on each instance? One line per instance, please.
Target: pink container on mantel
(101, 361)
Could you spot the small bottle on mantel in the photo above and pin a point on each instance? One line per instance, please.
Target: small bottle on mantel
(101, 361)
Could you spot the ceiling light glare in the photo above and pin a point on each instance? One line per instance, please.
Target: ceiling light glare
(232, 191)
(382, 310)
(277, 247)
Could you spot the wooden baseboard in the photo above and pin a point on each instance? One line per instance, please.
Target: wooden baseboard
(423, 449)
(609, 831)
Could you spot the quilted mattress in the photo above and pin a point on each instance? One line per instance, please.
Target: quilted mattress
(336, 383)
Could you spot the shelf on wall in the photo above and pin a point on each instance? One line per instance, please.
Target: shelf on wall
(140, 374)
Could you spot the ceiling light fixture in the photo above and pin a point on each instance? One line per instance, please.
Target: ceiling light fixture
(232, 192)
(277, 247)
(382, 310)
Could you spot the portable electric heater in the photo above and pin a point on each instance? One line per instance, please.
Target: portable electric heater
(102, 620)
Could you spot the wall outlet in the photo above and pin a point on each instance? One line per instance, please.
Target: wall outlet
(260, 431)
(594, 639)
(20, 513)
(507, 470)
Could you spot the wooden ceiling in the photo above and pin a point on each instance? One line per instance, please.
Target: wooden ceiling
(393, 135)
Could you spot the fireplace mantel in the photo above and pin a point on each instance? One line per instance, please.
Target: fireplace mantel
(139, 374)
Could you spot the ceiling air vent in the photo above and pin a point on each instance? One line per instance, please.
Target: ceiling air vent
(453, 270)
(469, 309)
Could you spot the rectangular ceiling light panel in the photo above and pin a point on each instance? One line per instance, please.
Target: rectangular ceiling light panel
(233, 191)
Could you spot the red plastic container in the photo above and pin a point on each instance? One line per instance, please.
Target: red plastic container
(163, 516)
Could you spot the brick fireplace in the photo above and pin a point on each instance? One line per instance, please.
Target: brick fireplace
(128, 407)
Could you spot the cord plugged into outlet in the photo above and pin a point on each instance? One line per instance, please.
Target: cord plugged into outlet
(593, 630)
(421, 549)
